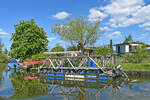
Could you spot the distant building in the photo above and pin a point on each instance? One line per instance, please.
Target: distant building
(127, 47)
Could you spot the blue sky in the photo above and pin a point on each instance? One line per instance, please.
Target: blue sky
(119, 18)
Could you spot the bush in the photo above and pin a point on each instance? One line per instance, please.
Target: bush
(35, 57)
(136, 57)
(102, 51)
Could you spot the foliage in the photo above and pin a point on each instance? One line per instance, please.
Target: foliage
(1, 46)
(128, 39)
(29, 39)
(58, 48)
(5, 51)
(72, 48)
(79, 32)
(35, 57)
(3, 57)
(138, 56)
(102, 51)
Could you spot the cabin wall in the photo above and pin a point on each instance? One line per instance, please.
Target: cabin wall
(126, 48)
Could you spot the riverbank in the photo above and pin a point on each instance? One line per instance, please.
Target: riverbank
(136, 66)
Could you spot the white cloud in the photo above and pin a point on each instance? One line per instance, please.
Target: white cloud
(142, 36)
(3, 33)
(95, 15)
(147, 28)
(51, 39)
(123, 13)
(145, 24)
(115, 34)
(106, 28)
(61, 15)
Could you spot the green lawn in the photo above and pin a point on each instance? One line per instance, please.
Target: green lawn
(136, 66)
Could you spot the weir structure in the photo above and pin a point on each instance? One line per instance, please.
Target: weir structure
(76, 66)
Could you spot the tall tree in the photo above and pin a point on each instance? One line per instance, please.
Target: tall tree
(72, 48)
(6, 51)
(79, 32)
(29, 39)
(111, 46)
(128, 39)
(1, 46)
(58, 48)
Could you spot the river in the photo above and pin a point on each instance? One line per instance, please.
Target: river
(14, 86)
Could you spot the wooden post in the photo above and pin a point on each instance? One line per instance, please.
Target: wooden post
(113, 59)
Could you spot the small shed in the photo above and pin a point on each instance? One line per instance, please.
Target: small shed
(123, 48)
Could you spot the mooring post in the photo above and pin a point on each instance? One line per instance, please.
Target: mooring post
(113, 59)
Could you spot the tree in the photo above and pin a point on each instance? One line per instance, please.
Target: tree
(6, 51)
(79, 32)
(1, 46)
(111, 46)
(58, 48)
(72, 48)
(102, 51)
(128, 39)
(29, 39)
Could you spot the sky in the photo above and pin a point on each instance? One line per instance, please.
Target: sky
(119, 18)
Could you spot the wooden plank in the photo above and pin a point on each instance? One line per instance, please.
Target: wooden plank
(69, 57)
(65, 52)
(92, 68)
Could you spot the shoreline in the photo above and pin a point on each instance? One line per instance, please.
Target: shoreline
(138, 73)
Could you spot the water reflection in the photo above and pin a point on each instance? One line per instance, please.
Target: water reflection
(68, 89)
(78, 89)
(2, 68)
(27, 88)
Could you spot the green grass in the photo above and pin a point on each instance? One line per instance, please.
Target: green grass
(135, 66)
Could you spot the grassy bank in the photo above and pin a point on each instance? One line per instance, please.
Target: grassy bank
(135, 66)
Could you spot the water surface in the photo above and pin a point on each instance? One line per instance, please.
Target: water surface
(14, 87)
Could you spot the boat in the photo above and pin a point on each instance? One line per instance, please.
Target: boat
(13, 64)
(30, 78)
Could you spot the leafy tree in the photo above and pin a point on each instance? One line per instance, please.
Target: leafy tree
(36, 57)
(1, 46)
(2, 56)
(29, 39)
(102, 51)
(79, 32)
(72, 48)
(6, 51)
(58, 48)
(128, 39)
